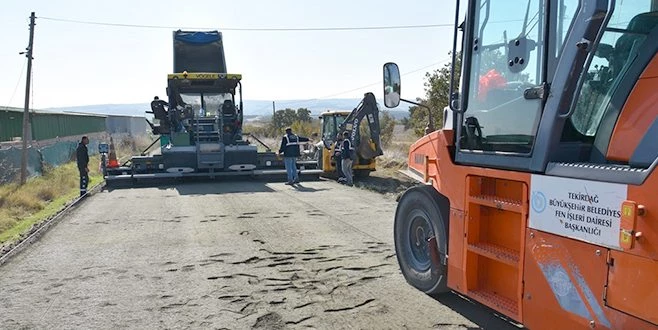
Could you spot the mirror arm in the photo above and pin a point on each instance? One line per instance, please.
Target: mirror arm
(430, 124)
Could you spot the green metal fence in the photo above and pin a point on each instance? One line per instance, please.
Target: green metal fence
(48, 125)
(52, 155)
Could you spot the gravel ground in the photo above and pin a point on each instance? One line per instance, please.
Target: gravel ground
(225, 255)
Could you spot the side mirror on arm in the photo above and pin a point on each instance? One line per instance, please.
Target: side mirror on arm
(392, 85)
(392, 88)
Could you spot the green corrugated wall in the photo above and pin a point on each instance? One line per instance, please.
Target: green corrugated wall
(49, 125)
(10, 124)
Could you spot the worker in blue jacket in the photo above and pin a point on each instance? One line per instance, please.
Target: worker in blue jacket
(290, 150)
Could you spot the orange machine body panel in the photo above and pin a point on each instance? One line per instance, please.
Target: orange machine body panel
(543, 280)
(630, 290)
(565, 286)
(632, 124)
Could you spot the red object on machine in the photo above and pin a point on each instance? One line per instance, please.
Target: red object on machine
(492, 79)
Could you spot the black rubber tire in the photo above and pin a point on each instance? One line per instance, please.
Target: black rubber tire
(418, 217)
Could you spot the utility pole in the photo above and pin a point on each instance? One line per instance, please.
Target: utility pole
(26, 110)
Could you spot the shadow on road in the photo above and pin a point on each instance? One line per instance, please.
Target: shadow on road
(300, 187)
(220, 188)
(481, 315)
(206, 186)
(222, 181)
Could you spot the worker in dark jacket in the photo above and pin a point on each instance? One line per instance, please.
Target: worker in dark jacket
(158, 108)
(82, 157)
(346, 152)
(337, 157)
(162, 114)
(290, 150)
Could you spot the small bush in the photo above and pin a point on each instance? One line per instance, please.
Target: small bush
(386, 126)
(6, 220)
(47, 193)
(5, 190)
(23, 199)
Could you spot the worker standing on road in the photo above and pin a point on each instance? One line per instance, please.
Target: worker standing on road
(290, 150)
(338, 159)
(82, 157)
(346, 152)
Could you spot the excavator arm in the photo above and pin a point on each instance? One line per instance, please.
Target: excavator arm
(368, 109)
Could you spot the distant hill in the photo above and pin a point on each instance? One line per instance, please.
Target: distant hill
(138, 109)
(253, 108)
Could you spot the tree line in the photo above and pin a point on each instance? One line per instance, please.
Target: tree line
(302, 123)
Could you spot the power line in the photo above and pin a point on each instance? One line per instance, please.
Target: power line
(20, 76)
(369, 85)
(379, 82)
(32, 89)
(266, 29)
(269, 29)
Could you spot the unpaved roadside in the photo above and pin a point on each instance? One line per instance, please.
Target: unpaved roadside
(230, 255)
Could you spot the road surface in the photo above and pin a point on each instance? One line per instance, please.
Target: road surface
(226, 255)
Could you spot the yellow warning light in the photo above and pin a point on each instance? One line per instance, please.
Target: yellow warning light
(627, 234)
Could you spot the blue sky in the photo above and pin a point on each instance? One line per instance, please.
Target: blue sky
(77, 64)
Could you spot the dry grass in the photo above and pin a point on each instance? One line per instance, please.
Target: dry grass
(396, 153)
(7, 220)
(39, 198)
(128, 145)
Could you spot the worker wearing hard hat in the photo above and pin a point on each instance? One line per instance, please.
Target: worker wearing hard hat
(290, 150)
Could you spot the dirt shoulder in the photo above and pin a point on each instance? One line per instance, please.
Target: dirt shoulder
(387, 179)
(391, 184)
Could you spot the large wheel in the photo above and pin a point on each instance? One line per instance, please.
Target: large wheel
(417, 218)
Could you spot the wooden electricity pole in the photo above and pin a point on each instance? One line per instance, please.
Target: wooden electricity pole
(26, 111)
